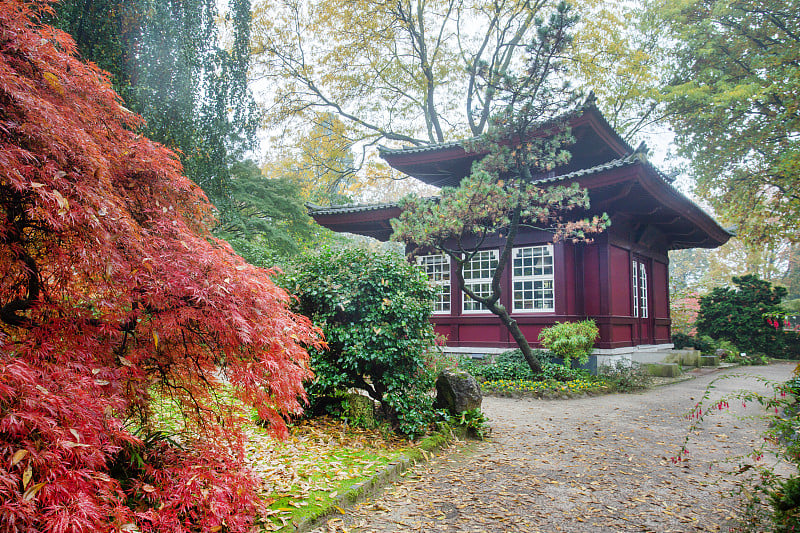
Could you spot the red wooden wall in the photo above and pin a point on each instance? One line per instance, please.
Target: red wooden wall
(591, 281)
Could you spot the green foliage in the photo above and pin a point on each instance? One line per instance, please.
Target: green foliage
(374, 310)
(508, 365)
(626, 377)
(266, 219)
(741, 315)
(792, 344)
(681, 341)
(704, 343)
(511, 365)
(732, 99)
(785, 501)
(473, 420)
(570, 340)
(730, 349)
(168, 64)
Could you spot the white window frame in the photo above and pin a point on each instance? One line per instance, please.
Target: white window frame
(543, 274)
(483, 279)
(437, 268)
(635, 287)
(643, 291)
(639, 289)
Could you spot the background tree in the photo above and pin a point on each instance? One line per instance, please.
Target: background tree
(732, 100)
(167, 62)
(267, 219)
(319, 163)
(113, 291)
(699, 270)
(500, 195)
(614, 55)
(425, 71)
(743, 314)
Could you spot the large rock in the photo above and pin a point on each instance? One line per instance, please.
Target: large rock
(457, 391)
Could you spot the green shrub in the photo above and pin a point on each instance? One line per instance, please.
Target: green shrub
(511, 365)
(728, 347)
(507, 365)
(792, 345)
(785, 502)
(570, 340)
(740, 315)
(626, 377)
(682, 340)
(374, 310)
(704, 343)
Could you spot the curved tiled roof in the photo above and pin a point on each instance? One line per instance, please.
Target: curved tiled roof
(314, 209)
(631, 159)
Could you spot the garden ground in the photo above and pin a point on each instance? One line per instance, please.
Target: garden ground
(583, 465)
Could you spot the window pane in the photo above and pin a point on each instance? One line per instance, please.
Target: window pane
(478, 274)
(437, 268)
(533, 287)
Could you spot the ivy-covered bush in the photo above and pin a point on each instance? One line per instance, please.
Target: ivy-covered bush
(744, 315)
(570, 340)
(374, 310)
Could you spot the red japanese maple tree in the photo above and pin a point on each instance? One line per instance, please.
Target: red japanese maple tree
(113, 291)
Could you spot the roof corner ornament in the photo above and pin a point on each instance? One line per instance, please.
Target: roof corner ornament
(591, 100)
(641, 152)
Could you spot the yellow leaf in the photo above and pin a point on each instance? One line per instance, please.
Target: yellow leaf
(155, 339)
(18, 456)
(63, 204)
(52, 81)
(26, 477)
(31, 492)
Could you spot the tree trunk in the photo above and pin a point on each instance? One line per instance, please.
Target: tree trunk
(516, 333)
(492, 302)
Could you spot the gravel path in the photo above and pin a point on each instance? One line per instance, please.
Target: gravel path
(582, 465)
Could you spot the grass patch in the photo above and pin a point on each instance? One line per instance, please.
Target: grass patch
(305, 475)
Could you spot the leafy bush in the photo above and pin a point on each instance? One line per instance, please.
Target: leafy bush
(741, 315)
(792, 345)
(511, 365)
(374, 310)
(570, 340)
(508, 365)
(728, 347)
(682, 340)
(785, 501)
(472, 420)
(704, 343)
(626, 377)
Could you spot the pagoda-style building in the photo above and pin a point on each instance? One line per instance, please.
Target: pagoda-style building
(620, 279)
